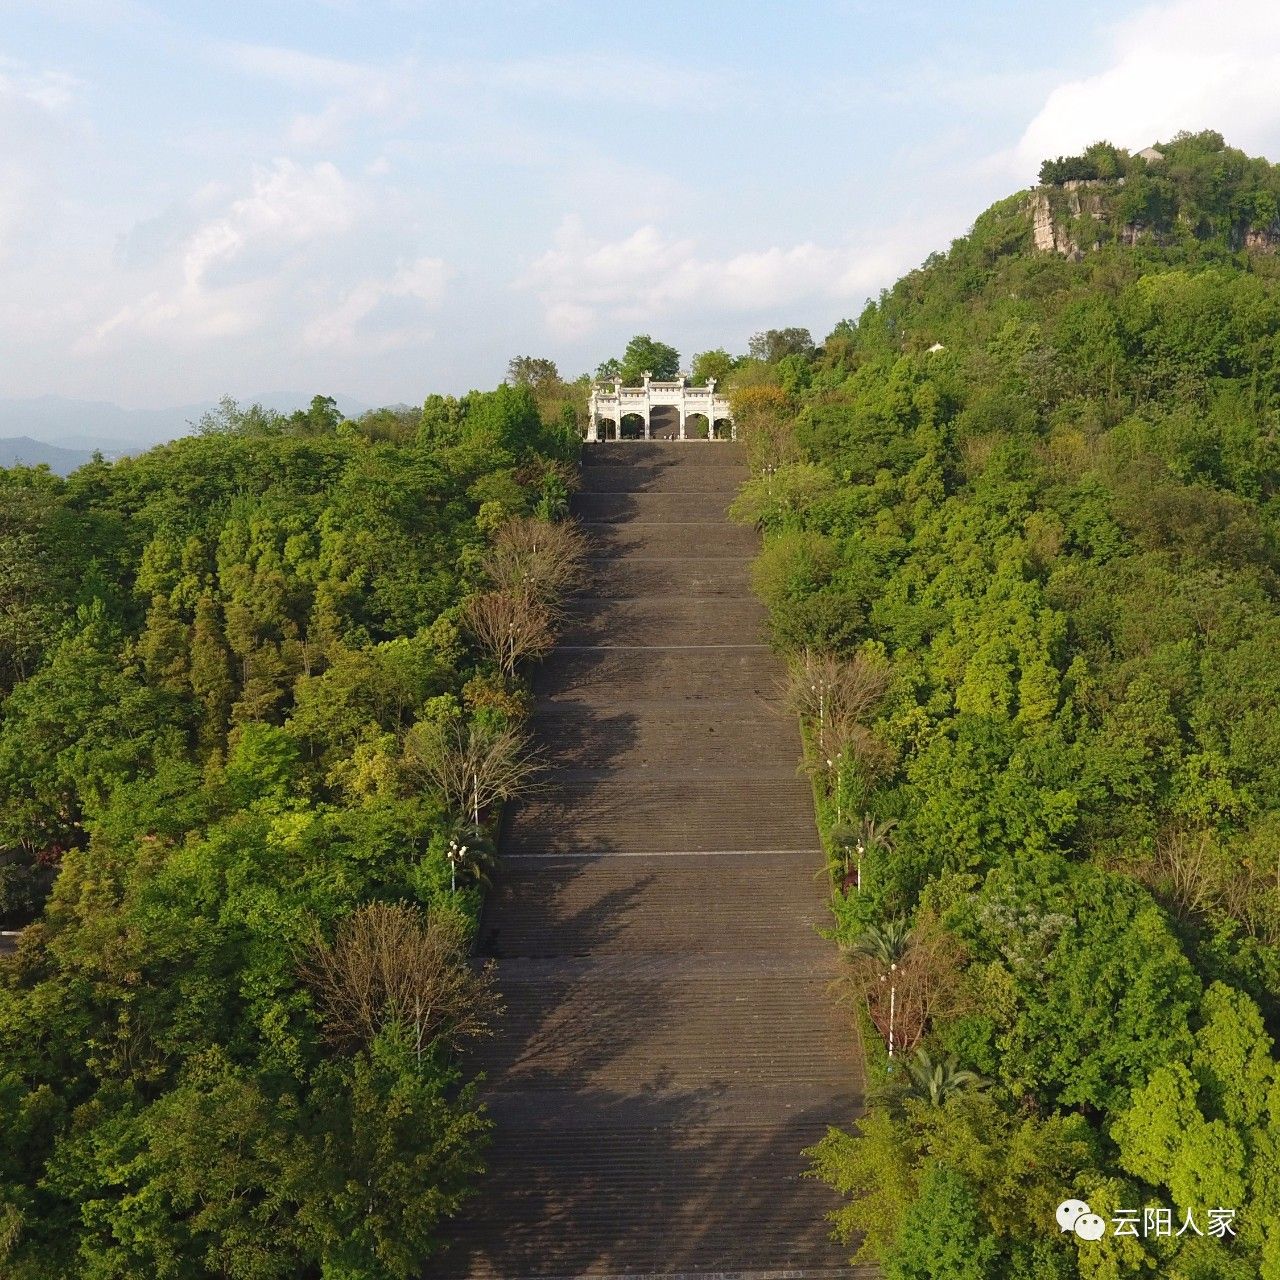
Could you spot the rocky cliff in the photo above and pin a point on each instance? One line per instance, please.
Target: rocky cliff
(1061, 215)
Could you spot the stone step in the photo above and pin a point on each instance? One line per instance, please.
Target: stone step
(602, 904)
(635, 577)
(665, 621)
(653, 508)
(639, 740)
(701, 539)
(686, 814)
(660, 1195)
(660, 678)
(633, 1023)
(675, 454)
(656, 477)
(530, 1110)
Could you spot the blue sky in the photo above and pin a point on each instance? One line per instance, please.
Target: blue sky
(388, 198)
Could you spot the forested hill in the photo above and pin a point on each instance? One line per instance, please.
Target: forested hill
(258, 704)
(1022, 526)
(261, 696)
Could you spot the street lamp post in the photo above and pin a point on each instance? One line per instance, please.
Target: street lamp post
(456, 854)
(893, 1003)
(891, 978)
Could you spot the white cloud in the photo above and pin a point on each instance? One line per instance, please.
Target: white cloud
(421, 281)
(348, 91)
(296, 69)
(38, 125)
(626, 79)
(1183, 65)
(289, 204)
(222, 277)
(583, 282)
(394, 92)
(49, 90)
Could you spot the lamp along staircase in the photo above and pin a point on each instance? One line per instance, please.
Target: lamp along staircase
(670, 1042)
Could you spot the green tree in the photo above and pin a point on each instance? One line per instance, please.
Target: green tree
(717, 364)
(646, 354)
(1096, 991)
(321, 417)
(206, 757)
(531, 371)
(943, 1234)
(873, 1168)
(1205, 1127)
(773, 345)
(210, 670)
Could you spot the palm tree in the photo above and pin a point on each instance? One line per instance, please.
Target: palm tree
(470, 853)
(886, 945)
(935, 1082)
(854, 843)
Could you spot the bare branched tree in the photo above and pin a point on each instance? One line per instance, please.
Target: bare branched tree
(512, 625)
(396, 964)
(534, 474)
(848, 739)
(908, 978)
(539, 557)
(1184, 861)
(835, 696)
(1199, 872)
(473, 765)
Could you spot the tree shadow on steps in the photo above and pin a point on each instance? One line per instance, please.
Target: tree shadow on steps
(613, 1183)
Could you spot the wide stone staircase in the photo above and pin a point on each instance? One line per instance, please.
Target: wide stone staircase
(670, 1042)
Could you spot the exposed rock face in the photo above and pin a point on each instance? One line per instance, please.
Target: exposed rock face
(1263, 241)
(1083, 199)
(1044, 228)
(1081, 184)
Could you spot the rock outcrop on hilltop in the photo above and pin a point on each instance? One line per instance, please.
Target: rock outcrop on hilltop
(1192, 189)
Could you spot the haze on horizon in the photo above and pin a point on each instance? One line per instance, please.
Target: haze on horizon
(385, 198)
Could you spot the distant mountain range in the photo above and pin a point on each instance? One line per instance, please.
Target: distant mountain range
(64, 433)
(23, 451)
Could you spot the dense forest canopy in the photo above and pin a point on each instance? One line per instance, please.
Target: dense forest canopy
(1022, 532)
(237, 673)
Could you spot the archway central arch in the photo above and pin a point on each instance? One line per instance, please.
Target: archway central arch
(611, 404)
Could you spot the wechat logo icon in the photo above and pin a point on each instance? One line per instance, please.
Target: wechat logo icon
(1075, 1215)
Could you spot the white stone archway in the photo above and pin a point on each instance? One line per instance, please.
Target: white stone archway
(613, 403)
